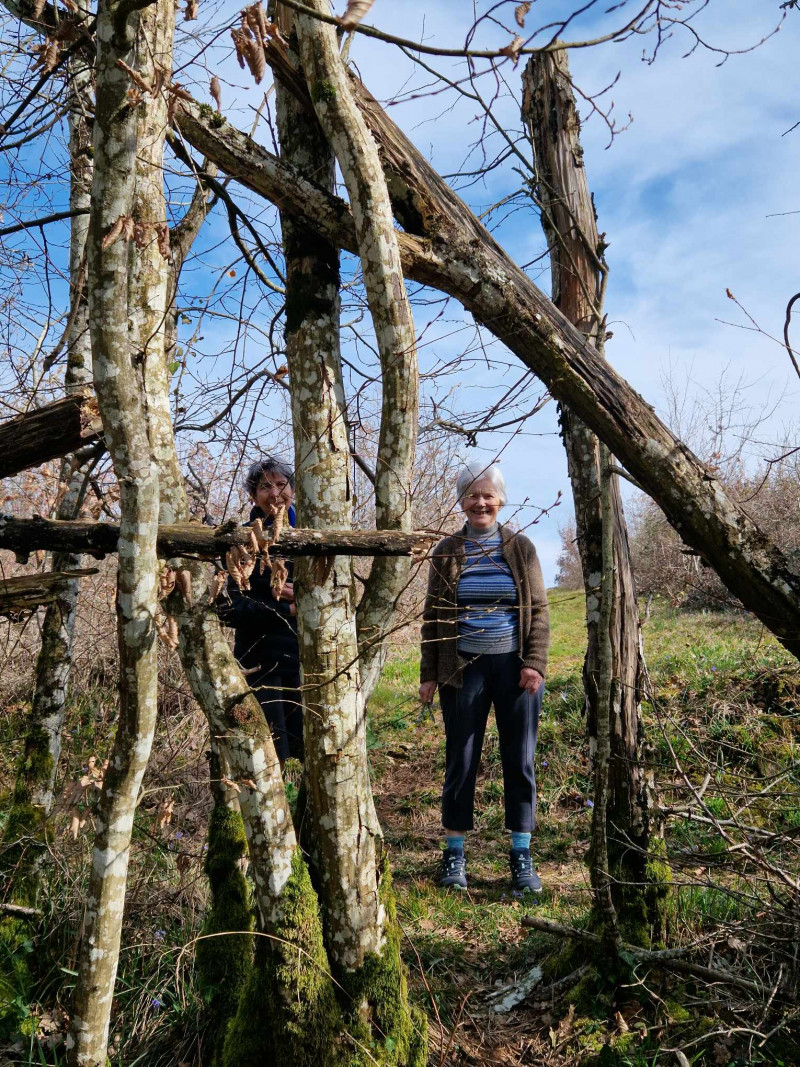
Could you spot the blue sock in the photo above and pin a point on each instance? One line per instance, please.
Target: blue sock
(519, 840)
(455, 841)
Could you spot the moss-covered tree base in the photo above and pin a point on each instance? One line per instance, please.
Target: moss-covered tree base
(381, 1026)
(288, 1015)
(224, 959)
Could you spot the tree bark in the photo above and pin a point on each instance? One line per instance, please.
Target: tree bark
(613, 664)
(30, 591)
(457, 255)
(119, 379)
(49, 432)
(345, 835)
(186, 538)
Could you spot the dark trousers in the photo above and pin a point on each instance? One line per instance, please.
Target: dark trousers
(490, 680)
(279, 695)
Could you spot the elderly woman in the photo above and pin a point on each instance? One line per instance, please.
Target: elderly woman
(485, 636)
(265, 625)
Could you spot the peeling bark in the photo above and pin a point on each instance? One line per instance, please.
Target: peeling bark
(613, 666)
(456, 254)
(49, 432)
(119, 379)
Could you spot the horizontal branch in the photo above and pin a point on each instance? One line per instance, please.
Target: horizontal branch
(662, 960)
(205, 542)
(48, 433)
(29, 591)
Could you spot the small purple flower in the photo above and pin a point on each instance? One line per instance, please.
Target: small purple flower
(157, 1003)
(544, 762)
(160, 935)
(713, 668)
(588, 803)
(179, 834)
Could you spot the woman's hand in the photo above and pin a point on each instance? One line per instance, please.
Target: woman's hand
(427, 691)
(287, 592)
(529, 679)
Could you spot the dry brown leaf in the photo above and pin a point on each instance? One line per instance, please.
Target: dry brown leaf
(165, 812)
(520, 11)
(190, 14)
(47, 55)
(240, 564)
(512, 50)
(277, 522)
(217, 584)
(122, 228)
(137, 79)
(249, 783)
(216, 92)
(183, 862)
(166, 581)
(280, 573)
(231, 784)
(183, 580)
(162, 237)
(76, 823)
(354, 13)
(257, 21)
(38, 7)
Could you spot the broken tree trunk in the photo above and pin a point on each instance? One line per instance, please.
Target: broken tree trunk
(30, 591)
(48, 433)
(456, 254)
(205, 542)
(578, 272)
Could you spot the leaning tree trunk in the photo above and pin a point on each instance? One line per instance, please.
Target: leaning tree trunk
(360, 928)
(120, 378)
(446, 247)
(578, 272)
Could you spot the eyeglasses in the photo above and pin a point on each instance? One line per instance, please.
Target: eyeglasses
(280, 486)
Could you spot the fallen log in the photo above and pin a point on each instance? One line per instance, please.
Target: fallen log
(48, 433)
(30, 591)
(446, 247)
(193, 539)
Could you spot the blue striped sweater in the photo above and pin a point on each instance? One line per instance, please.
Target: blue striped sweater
(488, 615)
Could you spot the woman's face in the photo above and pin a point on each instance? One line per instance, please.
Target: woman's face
(481, 504)
(272, 491)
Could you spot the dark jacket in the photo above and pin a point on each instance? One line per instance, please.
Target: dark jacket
(440, 660)
(266, 631)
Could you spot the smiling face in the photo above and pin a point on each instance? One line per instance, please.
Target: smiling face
(481, 504)
(272, 491)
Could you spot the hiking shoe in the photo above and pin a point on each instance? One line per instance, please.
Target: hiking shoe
(454, 868)
(523, 876)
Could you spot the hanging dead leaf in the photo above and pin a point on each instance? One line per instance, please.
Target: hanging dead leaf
(281, 372)
(249, 783)
(277, 522)
(513, 50)
(256, 20)
(520, 11)
(162, 237)
(165, 812)
(166, 581)
(183, 581)
(354, 13)
(38, 8)
(216, 92)
(135, 97)
(122, 228)
(167, 630)
(190, 12)
(47, 55)
(138, 79)
(231, 784)
(240, 564)
(183, 861)
(280, 573)
(217, 584)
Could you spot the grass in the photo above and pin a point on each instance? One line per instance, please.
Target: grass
(726, 700)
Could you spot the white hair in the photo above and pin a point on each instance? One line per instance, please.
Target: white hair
(476, 470)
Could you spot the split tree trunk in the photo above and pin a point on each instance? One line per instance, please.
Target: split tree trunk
(360, 929)
(445, 246)
(120, 387)
(612, 682)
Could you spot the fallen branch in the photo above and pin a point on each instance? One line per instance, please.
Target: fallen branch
(205, 542)
(48, 433)
(21, 910)
(662, 960)
(30, 591)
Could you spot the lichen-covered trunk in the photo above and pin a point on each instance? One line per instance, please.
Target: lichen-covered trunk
(119, 378)
(360, 928)
(392, 321)
(578, 271)
(446, 247)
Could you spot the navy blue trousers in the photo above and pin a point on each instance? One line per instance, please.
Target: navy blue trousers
(279, 695)
(490, 680)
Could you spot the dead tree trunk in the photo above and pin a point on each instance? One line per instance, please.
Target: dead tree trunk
(186, 538)
(49, 432)
(31, 591)
(445, 246)
(120, 379)
(578, 271)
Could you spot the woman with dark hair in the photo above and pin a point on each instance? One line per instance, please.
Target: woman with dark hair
(485, 635)
(265, 624)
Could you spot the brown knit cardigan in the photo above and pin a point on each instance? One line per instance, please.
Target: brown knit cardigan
(440, 660)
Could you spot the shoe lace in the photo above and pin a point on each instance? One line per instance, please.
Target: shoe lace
(453, 864)
(521, 863)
